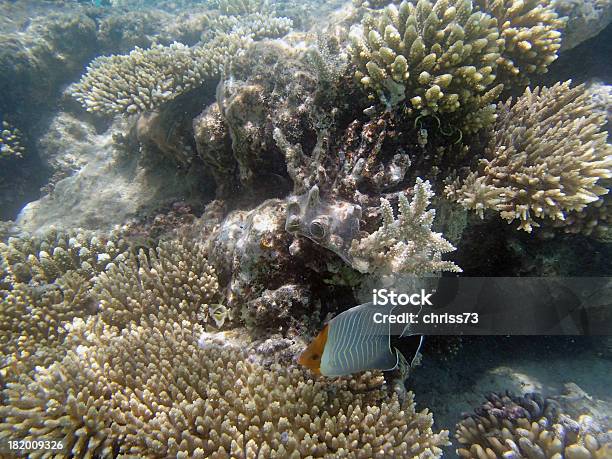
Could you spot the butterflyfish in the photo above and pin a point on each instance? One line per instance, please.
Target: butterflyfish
(352, 342)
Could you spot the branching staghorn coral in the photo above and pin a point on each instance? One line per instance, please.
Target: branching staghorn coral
(42, 259)
(530, 426)
(175, 395)
(173, 278)
(405, 244)
(255, 25)
(435, 57)
(35, 322)
(145, 79)
(531, 31)
(545, 160)
(10, 142)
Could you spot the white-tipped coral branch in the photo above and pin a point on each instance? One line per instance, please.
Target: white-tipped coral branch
(405, 244)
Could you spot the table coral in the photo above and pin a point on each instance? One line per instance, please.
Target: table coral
(546, 159)
(144, 79)
(151, 77)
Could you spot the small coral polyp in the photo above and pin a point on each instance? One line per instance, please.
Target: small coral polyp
(432, 57)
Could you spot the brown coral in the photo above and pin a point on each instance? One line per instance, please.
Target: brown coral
(547, 159)
(170, 397)
(438, 57)
(42, 259)
(531, 31)
(530, 426)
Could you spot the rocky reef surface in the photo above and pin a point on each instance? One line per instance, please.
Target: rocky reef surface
(206, 182)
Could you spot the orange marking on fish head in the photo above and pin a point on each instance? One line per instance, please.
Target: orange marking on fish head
(311, 356)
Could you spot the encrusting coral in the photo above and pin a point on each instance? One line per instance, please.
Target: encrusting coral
(546, 159)
(405, 244)
(530, 426)
(531, 31)
(10, 141)
(436, 57)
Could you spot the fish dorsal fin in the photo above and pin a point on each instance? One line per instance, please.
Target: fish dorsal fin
(355, 342)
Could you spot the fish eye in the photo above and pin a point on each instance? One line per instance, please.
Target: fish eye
(315, 356)
(317, 230)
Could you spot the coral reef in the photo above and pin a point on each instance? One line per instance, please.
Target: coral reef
(176, 392)
(221, 404)
(435, 57)
(174, 277)
(256, 23)
(529, 426)
(272, 86)
(151, 77)
(144, 79)
(548, 159)
(10, 142)
(45, 258)
(45, 284)
(35, 322)
(405, 244)
(532, 36)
